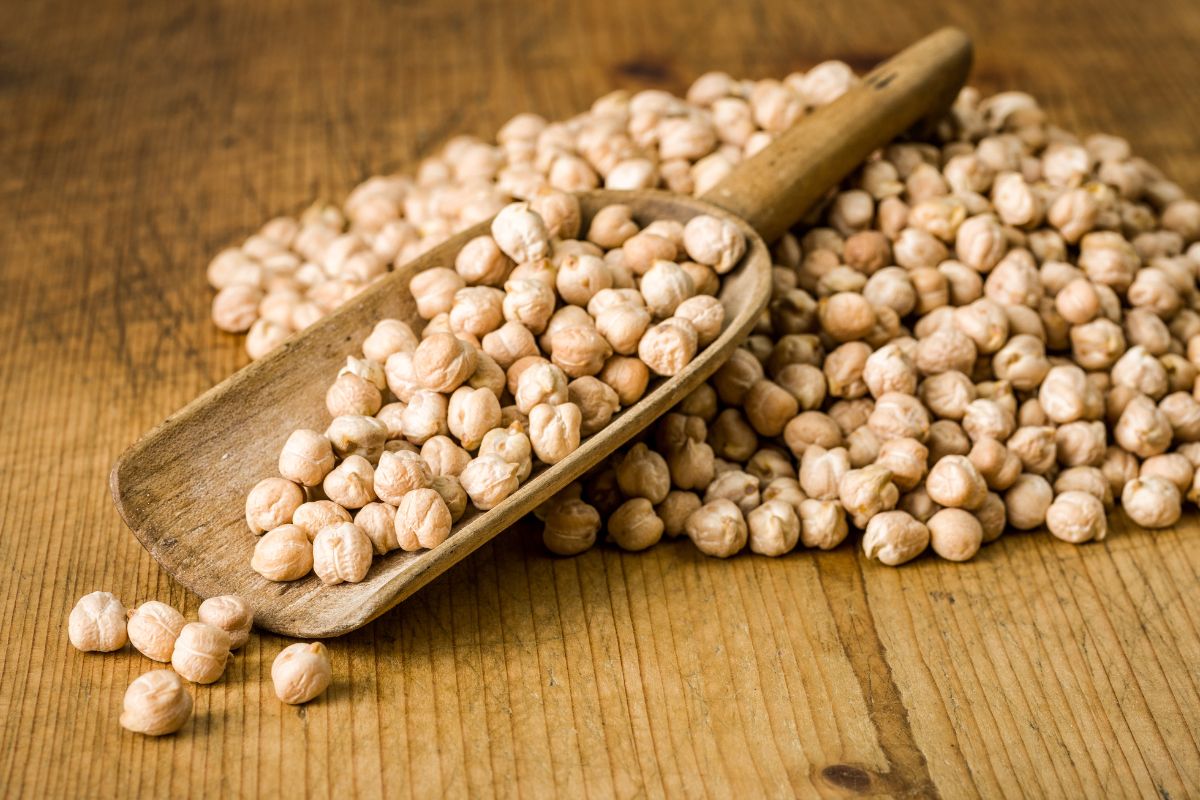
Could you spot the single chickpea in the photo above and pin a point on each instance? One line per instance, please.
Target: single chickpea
(1139, 370)
(231, 614)
(425, 416)
(350, 484)
(1172, 467)
(907, 459)
(668, 347)
(301, 672)
(955, 534)
(985, 323)
(1062, 392)
(597, 402)
(643, 473)
(1143, 429)
(1022, 362)
(488, 480)
(634, 525)
(312, 516)
(863, 446)
(471, 413)
(1036, 447)
(1152, 502)
(806, 383)
(995, 462)
(1027, 501)
(1077, 517)
(554, 430)
(434, 290)
(822, 523)
(735, 377)
(947, 394)
(611, 226)
(508, 343)
(342, 553)
(1183, 412)
(283, 554)
(511, 444)
(805, 429)
(946, 438)
(674, 511)
(401, 375)
(866, 492)
(713, 242)
(954, 482)
(579, 350)
(477, 311)
(364, 436)
(769, 407)
(201, 652)
(918, 504)
(521, 233)
(350, 394)
(235, 308)
(894, 537)
(770, 463)
(387, 337)
(156, 704)
(888, 370)
(622, 326)
(271, 503)
(398, 474)
(692, 465)
(1081, 443)
(422, 520)
(529, 302)
(443, 362)
(1085, 479)
(153, 628)
(306, 457)
(481, 262)
(774, 528)
(846, 316)
(899, 416)
(706, 314)
(945, 350)
(453, 495)
(571, 528)
(844, 368)
(444, 456)
(97, 623)
(665, 286)
(717, 528)
(988, 419)
(739, 487)
(822, 470)
(539, 382)
(580, 277)
(378, 522)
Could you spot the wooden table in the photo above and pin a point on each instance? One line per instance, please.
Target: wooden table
(138, 138)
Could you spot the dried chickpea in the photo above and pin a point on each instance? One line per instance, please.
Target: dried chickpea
(1173, 467)
(1077, 517)
(271, 503)
(954, 482)
(627, 376)
(717, 528)
(735, 377)
(153, 628)
(350, 394)
(231, 614)
(894, 537)
(97, 623)
(1027, 501)
(434, 290)
(713, 242)
(351, 483)
(378, 522)
(359, 435)
(554, 430)
(1143, 429)
(579, 350)
(283, 554)
(422, 520)
(521, 233)
(643, 473)
(706, 314)
(866, 492)
(634, 525)
(571, 528)
(511, 444)
(389, 336)
(342, 553)
(1152, 502)
(692, 465)
(674, 511)
(301, 672)
(444, 456)
(668, 347)
(906, 458)
(805, 429)
(774, 528)
(769, 407)
(306, 457)
(201, 652)
(623, 326)
(157, 703)
(310, 517)
(955, 534)
(822, 470)
(611, 226)
(488, 480)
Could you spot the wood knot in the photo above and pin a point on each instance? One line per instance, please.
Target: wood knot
(847, 776)
(644, 68)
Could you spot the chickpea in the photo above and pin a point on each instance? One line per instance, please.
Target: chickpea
(400, 473)
(231, 614)
(992, 517)
(1027, 501)
(668, 347)
(283, 554)
(955, 534)
(774, 528)
(996, 463)
(954, 482)
(947, 394)
(401, 375)
(739, 487)
(301, 672)
(1077, 517)
(579, 350)
(1152, 502)
(434, 290)
(554, 430)
(521, 233)
(350, 394)
(312, 516)
(822, 470)
(422, 520)
(946, 350)
(888, 369)
(947, 437)
(477, 311)
(152, 629)
(643, 249)
(571, 528)
(706, 314)
(97, 623)
(488, 480)
(378, 522)
(156, 704)
(674, 511)
(692, 465)
(201, 652)
(235, 308)
(894, 537)
(271, 503)
(717, 528)
(365, 436)
(735, 377)
(342, 553)
(481, 262)
(306, 457)
(1062, 392)
(623, 326)
(844, 369)
(1143, 429)
(713, 242)
(899, 416)
(443, 456)
(389, 336)
(988, 419)
(846, 316)
(350, 484)
(612, 226)
(907, 459)
(805, 429)
(1173, 467)
(866, 492)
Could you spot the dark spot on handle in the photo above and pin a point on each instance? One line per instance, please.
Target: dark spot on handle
(847, 776)
(880, 80)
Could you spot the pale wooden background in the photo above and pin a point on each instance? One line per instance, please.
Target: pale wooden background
(138, 138)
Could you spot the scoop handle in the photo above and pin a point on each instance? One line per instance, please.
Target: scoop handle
(780, 184)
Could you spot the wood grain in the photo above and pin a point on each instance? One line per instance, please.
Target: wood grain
(142, 137)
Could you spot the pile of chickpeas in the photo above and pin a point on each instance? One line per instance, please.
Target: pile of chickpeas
(533, 341)
(994, 329)
(158, 702)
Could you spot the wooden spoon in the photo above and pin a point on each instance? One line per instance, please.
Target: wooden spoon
(182, 487)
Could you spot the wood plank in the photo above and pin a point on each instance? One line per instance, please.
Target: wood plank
(143, 137)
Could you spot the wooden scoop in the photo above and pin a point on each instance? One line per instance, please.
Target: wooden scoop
(182, 487)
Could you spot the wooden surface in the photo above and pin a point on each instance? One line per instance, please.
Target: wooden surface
(137, 138)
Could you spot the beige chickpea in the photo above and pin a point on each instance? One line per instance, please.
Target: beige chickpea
(634, 525)
(426, 416)
(597, 402)
(306, 457)
(805, 429)
(521, 233)
(156, 703)
(846, 316)
(863, 446)
(1152, 502)
(643, 473)
(444, 456)
(453, 495)
(985, 323)
(539, 382)
(773, 528)
(434, 290)
(948, 349)
(442, 362)
(231, 614)
(201, 652)
(640, 251)
(97, 623)
(571, 528)
(271, 503)
(378, 522)
(398, 474)
(706, 314)
(1022, 362)
(301, 672)
(717, 528)
(947, 394)
(995, 462)
(769, 407)
(422, 520)
(1027, 501)
(1143, 429)
(1173, 467)
(692, 465)
(806, 383)
(153, 628)
(822, 523)
(866, 492)
(850, 415)
(844, 370)
(1077, 517)
(580, 277)
(954, 482)
(508, 343)
(611, 226)
(481, 262)
(889, 369)
(1139, 370)
(906, 459)
(898, 415)
(665, 286)
(554, 430)
(988, 419)
(668, 347)
(947, 437)
(786, 489)
(992, 517)
(822, 470)
(674, 511)
(235, 308)
(1080, 443)
(735, 377)
(894, 537)
(350, 484)
(342, 553)
(283, 554)
(559, 211)
(488, 480)
(623, 325)
(1036, 447)
(734, 485)
(579, 350)
(529, 302)
(770, 463)
(511, 444)
(370, 371)
(955, 534)
(350, 394)
(918, 504)
(1144, 327)
(477, 311)
(401, 375)
(387, 337)
(312, 516)
(1183, 412)
(471, 413)
(1062, 393)
(1085, 479)
(361, 435)
(713, 242)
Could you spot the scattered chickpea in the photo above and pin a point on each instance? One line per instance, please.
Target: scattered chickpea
(201, 652)
(571, 528)
(157, 703)
(894, 537)
(955, 534)
(634, 525)
(301, 672)
(1027, 501)
(422, 520)
(153, 628)
(97, 623)
(717, 528)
